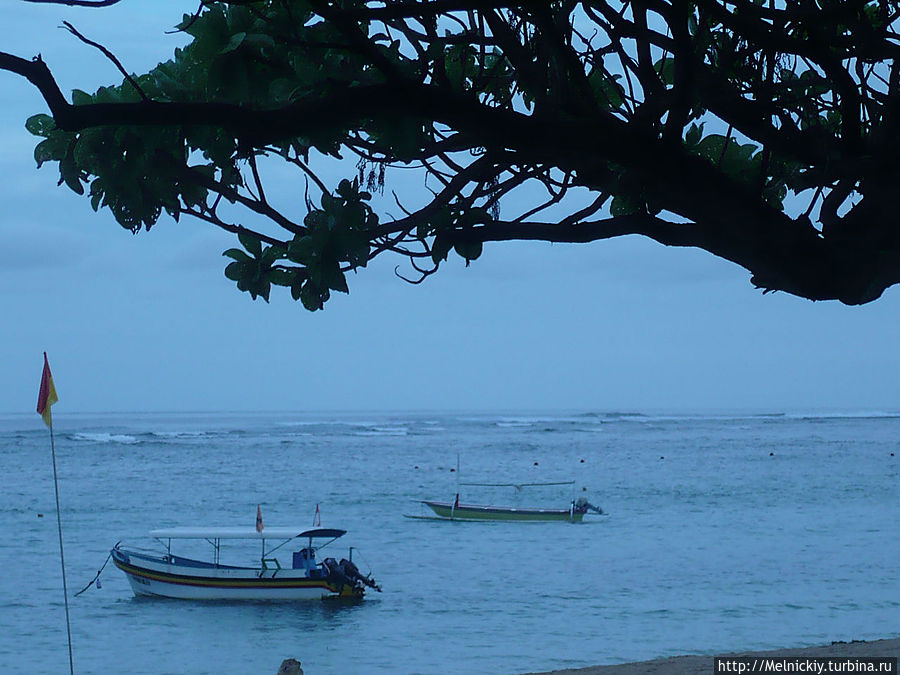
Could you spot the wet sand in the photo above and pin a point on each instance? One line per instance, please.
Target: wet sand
(703, 665)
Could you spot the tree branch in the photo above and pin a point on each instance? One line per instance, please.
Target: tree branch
(78, 3)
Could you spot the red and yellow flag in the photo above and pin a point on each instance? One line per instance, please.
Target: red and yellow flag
(47, 395)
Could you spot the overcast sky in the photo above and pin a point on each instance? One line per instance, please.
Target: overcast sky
(150, 323)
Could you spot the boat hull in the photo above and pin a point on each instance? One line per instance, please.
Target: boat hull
(449, 511)
(154, 576)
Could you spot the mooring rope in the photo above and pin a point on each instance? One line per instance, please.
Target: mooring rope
(97, 576)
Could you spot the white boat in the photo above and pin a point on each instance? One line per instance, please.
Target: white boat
(172, 576)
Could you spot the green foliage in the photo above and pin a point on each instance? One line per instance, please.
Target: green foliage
(254, 270)
(616, 89)
(452, 230)
(336, 240)
(606, 88)
(336, 233)
(133, 171)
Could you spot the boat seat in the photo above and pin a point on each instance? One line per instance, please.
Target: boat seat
(304, 559)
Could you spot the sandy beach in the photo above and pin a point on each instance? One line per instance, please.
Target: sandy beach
(703, 665)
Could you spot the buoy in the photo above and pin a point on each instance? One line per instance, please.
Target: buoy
(661, 457)
(417, 466)
(452, 470)
(771, 454)
(582, 461)
(41, 515)
(535, 463)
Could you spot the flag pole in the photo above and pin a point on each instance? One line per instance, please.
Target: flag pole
(46, 398)
(62, 557)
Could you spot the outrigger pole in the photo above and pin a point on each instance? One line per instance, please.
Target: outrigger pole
(455, 501)
(46, 398)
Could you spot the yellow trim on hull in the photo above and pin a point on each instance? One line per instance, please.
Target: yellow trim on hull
(180, 580)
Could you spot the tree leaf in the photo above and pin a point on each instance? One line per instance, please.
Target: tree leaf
(440, 247)
(53, 148)
(40, 125)
(694, 135)
(234, 271)
(251, 243)
(282, 277)
(237, 254)
(470, 250)
(233, 43)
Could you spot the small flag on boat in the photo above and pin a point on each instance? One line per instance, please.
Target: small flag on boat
(317, 518)
(259, 523)
(47, 394)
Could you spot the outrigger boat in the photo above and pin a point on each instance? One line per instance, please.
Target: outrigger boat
(456, 511)
(172, 576)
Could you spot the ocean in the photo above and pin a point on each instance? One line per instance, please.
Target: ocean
(724, 532)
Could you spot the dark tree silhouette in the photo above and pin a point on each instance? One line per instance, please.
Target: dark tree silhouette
(763, 131)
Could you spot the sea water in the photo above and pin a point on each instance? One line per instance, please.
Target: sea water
(724, 532)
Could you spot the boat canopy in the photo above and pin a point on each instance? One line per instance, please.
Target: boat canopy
(245, 533)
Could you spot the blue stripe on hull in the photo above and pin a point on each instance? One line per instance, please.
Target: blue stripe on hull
(215, 582)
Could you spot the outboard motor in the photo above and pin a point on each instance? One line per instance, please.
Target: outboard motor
(336, 577)
(346, 574)
(352, 572)
(583, 506)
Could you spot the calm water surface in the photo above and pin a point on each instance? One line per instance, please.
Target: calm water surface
(725, 532)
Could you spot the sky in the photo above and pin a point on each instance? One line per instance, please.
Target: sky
(148, 322)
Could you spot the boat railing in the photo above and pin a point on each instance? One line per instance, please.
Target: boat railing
(152, 556)
(190, 562)
(172, 559)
